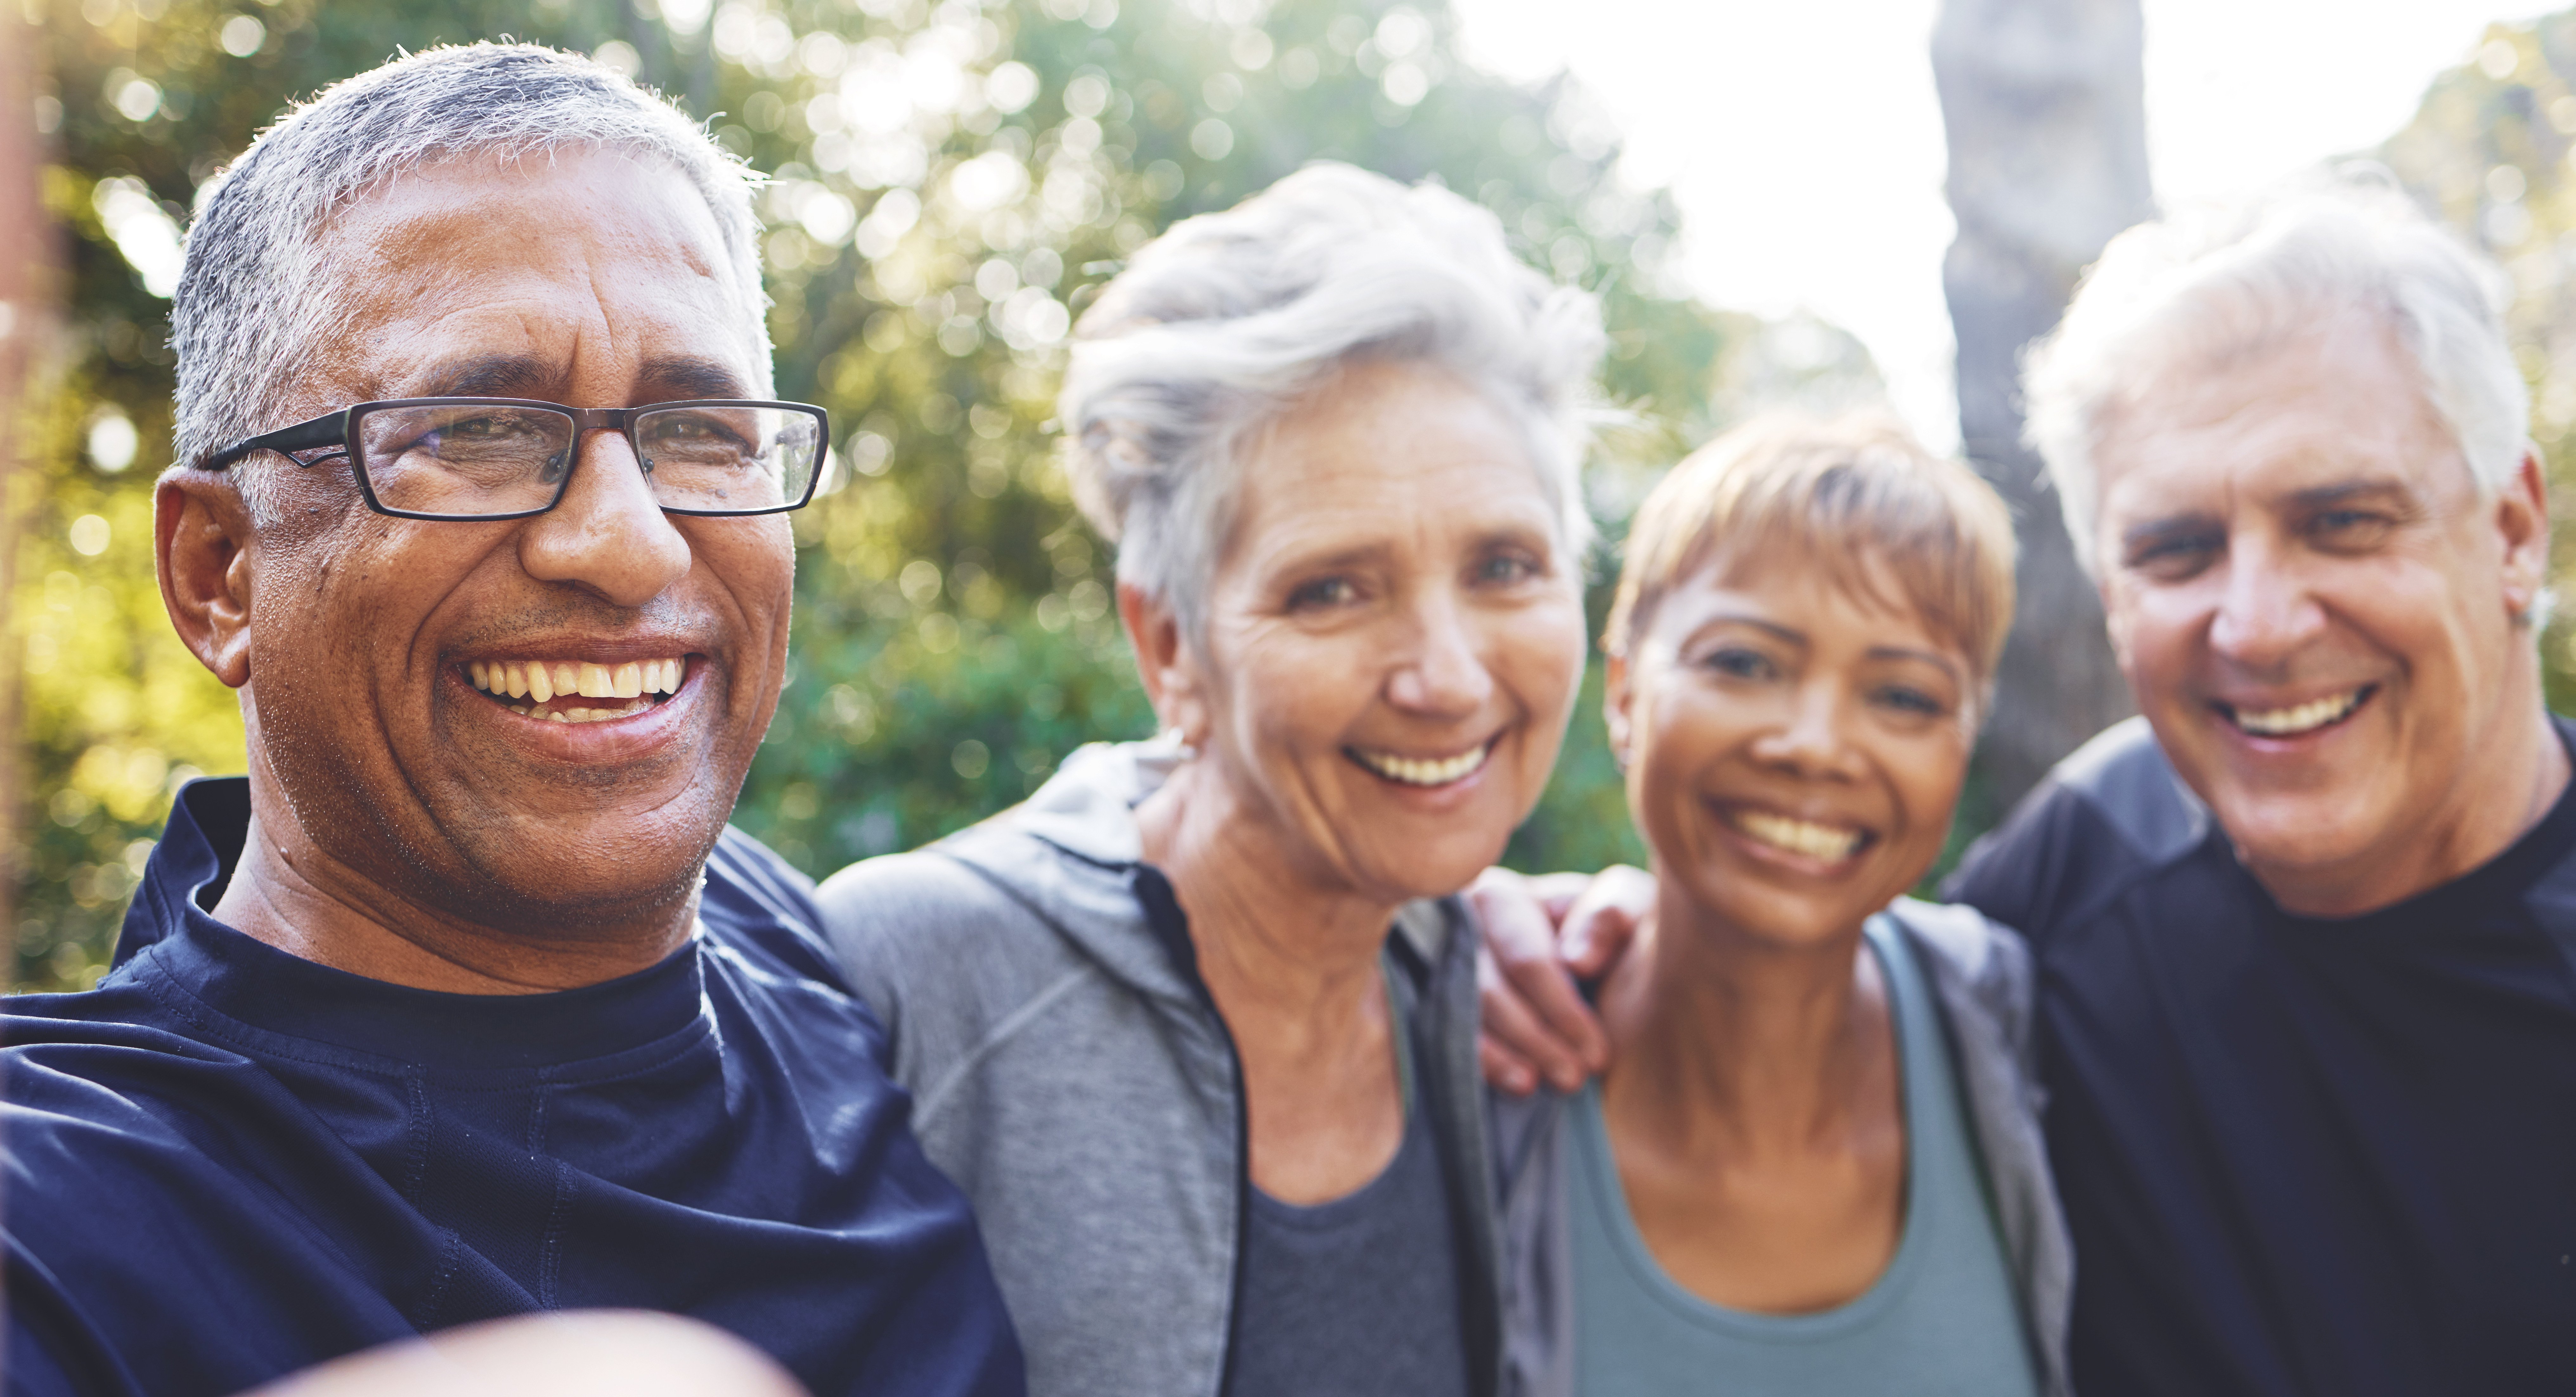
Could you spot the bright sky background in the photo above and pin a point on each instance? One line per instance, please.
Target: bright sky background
(1804, 144)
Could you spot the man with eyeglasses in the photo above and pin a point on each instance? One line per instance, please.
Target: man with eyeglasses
(465, 1004)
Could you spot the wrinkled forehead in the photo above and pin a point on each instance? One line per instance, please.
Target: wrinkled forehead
(2248, 400)
(554, 257)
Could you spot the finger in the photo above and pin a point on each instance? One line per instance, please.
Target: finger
(1557, 891)
(1547, 992)
(1603, 922)
(1514, 925)
(1542, 1016)
(1511, 1024)
(1504, 1069)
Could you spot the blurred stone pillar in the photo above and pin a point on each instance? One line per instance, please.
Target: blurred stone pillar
(2044, 102)
(25, 240)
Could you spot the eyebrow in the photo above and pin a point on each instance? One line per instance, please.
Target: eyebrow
(521, 376)
(489, 376)
(2350, 491)
(687, 376)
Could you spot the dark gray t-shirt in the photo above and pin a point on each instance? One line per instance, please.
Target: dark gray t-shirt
(1357, 1297)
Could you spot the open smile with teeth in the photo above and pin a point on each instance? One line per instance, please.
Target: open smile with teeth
(1421, 771)
(2298, 719)
(1806, 838)
(545, 689)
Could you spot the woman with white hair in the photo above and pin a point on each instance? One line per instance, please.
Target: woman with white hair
(1194, 1027)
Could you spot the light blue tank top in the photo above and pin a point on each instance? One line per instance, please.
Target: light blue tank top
(1941, 1319)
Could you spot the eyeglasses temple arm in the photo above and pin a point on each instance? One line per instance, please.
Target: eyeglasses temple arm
(326, 430)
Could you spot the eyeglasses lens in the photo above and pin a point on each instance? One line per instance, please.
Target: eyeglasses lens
(465, 458)
(488, 458)
(729, 459)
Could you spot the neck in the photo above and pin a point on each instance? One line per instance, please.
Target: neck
(1270, 941)
(287, 892)
(2510, 784)
(1726, 1042)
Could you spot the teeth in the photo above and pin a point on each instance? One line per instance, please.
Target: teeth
(2290, 722)
(541, 680)
(1827, 843)
(1415, 771)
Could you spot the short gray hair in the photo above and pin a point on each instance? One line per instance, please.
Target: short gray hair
(1228, 319)
(253, 303)
(2218, 282)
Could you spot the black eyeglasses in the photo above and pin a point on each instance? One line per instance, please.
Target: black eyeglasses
(509, 458)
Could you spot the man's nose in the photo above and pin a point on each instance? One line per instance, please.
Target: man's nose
(2266, 611)
(608, 534)
(1445, 674)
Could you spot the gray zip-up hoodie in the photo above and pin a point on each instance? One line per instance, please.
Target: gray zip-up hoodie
(1982, 980)
(1071, 1074)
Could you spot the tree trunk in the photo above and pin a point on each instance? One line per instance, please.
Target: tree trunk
(2044, 101)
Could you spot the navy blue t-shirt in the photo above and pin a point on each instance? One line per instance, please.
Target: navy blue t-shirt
(227, 1163)
(2299, 1156)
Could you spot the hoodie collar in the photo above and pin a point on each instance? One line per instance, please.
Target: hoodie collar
(1087, 813)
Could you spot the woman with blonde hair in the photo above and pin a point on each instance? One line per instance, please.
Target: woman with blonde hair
(1813, 1164)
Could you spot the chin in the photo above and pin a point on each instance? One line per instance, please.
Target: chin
(2303, 832)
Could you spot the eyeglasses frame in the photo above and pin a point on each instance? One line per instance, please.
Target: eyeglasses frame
(339, 429)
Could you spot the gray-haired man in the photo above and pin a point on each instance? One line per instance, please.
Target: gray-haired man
(2304, 933)
(465, 1004)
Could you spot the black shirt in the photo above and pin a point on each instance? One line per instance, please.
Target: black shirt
(227, 1163)
(2297, 1155)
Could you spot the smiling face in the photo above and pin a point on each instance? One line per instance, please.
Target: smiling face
(1393, 638)
(1794, 747)
(541, 721)
(2314, 604)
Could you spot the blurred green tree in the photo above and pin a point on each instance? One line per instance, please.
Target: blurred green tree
(2492, 150)
(952, 183)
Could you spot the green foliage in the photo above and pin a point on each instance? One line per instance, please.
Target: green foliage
(952, 184)
(2492, 149)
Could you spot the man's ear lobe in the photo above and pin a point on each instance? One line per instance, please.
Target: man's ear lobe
(1163, 662)
(202, 535)
(2522, 519)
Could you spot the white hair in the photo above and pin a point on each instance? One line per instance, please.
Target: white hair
(1228, 319)
(2207, 287)
(256, 298)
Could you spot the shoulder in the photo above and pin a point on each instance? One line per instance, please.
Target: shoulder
(883, 914)
(2111, 814)
(757, 904)
(1976, 965)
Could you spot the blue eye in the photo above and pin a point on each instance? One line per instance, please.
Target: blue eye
(1506, 568)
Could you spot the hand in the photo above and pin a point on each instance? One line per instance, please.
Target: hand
(1540, 935)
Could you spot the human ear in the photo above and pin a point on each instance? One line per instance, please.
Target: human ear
(2522, 522)
(1164, 663)
(202, 550)
(1617, 699)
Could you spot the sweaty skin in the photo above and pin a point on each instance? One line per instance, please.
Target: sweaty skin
(406, 826)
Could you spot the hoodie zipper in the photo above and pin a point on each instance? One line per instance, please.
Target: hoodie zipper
(1171, 927)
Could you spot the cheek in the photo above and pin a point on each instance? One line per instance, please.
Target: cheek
(1928, 775)
(1538, 657)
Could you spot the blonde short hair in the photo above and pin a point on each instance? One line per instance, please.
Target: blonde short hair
(1857, 498)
